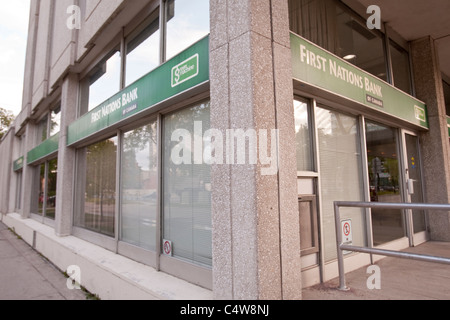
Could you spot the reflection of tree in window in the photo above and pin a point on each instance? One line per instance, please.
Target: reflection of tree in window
(51, 188)
(101, 187)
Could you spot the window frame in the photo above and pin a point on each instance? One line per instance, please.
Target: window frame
(193, 272)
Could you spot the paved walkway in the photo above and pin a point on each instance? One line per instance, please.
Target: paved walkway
(26, 275)
(401, 279)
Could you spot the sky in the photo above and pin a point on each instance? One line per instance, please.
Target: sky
(14, 16)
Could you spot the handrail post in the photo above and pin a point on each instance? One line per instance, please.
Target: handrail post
(341, 247)
(340, 254)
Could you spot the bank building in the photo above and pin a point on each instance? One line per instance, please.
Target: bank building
(337, 107)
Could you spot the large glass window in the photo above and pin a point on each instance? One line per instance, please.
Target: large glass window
(48, 172)
(340, 175)
(331, 25)
(97, 189)
(139, 186)
(143, 51)
(102, 83)
(55, 121)
(303, 136)
(384, 179)
(400, 67)
(42, 130)
(187, 22)
(187, 186)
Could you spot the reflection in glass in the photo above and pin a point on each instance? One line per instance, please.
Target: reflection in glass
(384, 180)
(139, 186)
(187, 189)
(143, 53)
(98, 212)
(400, 67)
(105, 80)
(43, 130)
(55, 121)
(340, 175)
(188, 22)
(329, 24)
(414, 165)
(52, 174)
(303, 137)
(41, 196)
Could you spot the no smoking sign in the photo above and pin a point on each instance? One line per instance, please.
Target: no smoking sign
(347, 232)
(167, 248)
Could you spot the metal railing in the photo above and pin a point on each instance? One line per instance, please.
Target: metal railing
(341, 247)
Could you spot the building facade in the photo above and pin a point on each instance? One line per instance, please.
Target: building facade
(176, 149)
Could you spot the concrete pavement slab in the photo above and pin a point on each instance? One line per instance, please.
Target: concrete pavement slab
(26, 275)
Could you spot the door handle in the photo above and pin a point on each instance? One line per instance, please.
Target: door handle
(411, 186)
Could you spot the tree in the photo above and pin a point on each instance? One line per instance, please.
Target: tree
(6, 119)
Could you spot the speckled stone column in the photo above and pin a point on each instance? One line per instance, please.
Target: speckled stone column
(29, 193)
(435, 146)
(256, 238)
(66, 158)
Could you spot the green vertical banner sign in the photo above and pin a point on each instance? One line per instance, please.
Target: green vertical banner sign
(319, 68)
(188, 69)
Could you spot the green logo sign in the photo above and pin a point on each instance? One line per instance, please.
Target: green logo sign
(186, 70)
(420, 114)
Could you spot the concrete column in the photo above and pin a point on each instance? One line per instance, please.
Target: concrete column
(256, 238)
(6, 168)
(66, 158)
(435, 146)
(29, 183)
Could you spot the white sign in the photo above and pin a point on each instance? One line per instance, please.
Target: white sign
(167, 248)
(347, 233)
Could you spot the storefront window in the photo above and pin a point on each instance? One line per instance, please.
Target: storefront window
(187, 186)
(41, 200)
(187, 22)
(303, 136)
(340, 175)
(139, 187)
(143, 51)
(47, 188)
(97, 190)
(400, 68)
(52, 174)
(329, 24)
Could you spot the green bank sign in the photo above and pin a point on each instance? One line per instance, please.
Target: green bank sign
(45, 149)
(317, 67)
(18, 164)
(185, 71)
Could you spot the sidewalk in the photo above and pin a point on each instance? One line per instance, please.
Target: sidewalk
(26, 275)
(401, 279)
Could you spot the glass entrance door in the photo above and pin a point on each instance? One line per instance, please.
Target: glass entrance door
(413, 187)
(385, 183)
